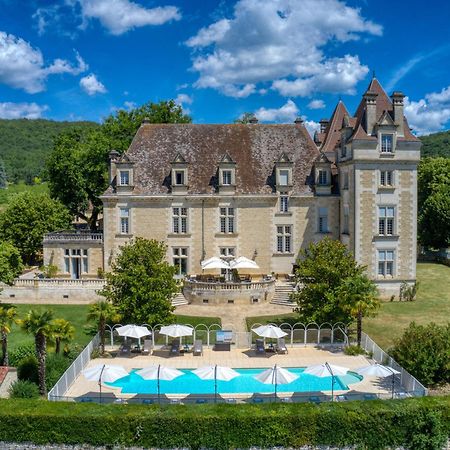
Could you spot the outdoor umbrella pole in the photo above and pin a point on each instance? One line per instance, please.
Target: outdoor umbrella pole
(332, 381)
(100, 382)
(159, 396)
(275, 379)
(215, 384)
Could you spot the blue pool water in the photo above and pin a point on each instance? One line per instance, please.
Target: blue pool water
(189, 383)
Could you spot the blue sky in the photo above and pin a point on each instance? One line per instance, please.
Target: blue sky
(83, 59)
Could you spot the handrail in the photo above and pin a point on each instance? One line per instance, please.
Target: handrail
(53, 282)
(225, 286)
(86, 236)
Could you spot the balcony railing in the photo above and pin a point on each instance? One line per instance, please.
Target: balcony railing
(228, 286)
(75, 236)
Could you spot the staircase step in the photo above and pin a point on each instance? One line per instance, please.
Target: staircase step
(179, 300)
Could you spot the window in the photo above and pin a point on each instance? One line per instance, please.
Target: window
(284, 203)
(386, 263)
(179, 177)
(343, 151)
(180, 259)
(226, 220)
(386, 178)
(179, 220)
(345, 180)
(284, 238)
(283, 177)
(346, 221)
(386, 220)
(226, 177)
(227, 252)
(124, 177)
(387, 141)
(76, 262)
(124, 224)
(323, 220)
(323, 177)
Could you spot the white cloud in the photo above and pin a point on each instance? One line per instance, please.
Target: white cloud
(279, 44)
(316, 104)
(286, 113)
(120, 16)
(10, 110)
(91, 85)
(184, 99)
(129, 105)
(23, 67)
(429, 114)
(311, 126)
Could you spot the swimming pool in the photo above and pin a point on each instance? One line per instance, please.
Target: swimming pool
(189, 383)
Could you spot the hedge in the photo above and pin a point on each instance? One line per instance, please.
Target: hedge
(419, 424)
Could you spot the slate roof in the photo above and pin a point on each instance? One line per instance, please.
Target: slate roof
(254, 147)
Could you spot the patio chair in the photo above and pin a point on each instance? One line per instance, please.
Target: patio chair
(148, 347)
(125, 350)
(147, 401)
(281, 346)
(341, 398)
(175, 348)
(260, 349)
(197, 349)
(315, 399)
(370, 396)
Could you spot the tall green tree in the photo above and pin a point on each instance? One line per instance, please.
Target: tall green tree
(27, 218)
(141, 283)
(359, 296)
(79, 189)
(61, 332)
(245, 118)
(38, 324)
(102, 312)
(10, 262)
(8, 316)
(3, 178)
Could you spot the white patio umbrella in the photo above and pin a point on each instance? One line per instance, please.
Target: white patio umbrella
(276, 375)
(325, 370)
(215, 263)
(378, 370)
(243, 263)
(269, 331)
(103, 373)
(133, 331)
(209, 260)
(215, 373)
(159, 373)
(176, 330)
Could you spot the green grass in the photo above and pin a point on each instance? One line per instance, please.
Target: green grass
(194, 320)
(75, 314)
(432, 305)
(5, 194)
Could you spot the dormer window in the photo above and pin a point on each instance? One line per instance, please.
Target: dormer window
(387, 143)
(283, 172)
(226, 177)
(323, 177)
(124, 175)
(124, 178)
(179, 175)
(179, 178)
(283, 177)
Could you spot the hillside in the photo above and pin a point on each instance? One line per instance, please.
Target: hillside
(436, 144)
(25, 144)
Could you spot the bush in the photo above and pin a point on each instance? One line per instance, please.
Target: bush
(20, 353)
(27, 370)
(415, 424)
(55, 366)
(423, 351)
(354, 350)
(23, 389)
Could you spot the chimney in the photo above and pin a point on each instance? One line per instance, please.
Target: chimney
(397, 101)
(253, 119)
(298, 121)
(323, 125)
(371, 111)
(113, 157)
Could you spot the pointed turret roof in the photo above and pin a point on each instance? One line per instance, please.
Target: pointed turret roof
(333, 130)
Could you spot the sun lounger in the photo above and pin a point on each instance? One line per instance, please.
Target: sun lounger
(197, 350)
(175, 348)
(341, 398)
(201, 401)
(148, 347)
(315, 399)
(281, 346)
(147, 401)
(125, 350)
(259, 348)
(258, 400)
(370, 396)
(230, 400)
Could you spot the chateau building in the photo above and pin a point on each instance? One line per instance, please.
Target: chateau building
(264, 192)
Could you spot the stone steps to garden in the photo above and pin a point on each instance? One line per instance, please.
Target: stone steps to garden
(179, 300)
(282, 294)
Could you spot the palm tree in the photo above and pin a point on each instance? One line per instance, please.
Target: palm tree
(102, 312)
(359, 296)
(8, 316)
(61, 332)
(38, 323)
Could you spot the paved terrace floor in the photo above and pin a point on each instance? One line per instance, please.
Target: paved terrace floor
(236, 358)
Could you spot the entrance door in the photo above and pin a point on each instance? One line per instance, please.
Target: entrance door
(76, 268)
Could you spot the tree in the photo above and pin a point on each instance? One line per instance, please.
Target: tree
(38, 323)
(79, 189)
(8, 316)
(62, 332)
(102, 312)
(3, 178)
(27, 218)
(10, 262)
(141, 283)
(321, 269)
(246, 117)
(434, 202)
(424, 351)
(358, 295)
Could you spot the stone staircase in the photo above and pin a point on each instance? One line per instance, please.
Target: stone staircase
(179, 300)
(282, 291)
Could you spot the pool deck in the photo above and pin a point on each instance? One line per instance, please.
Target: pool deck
(236, 358)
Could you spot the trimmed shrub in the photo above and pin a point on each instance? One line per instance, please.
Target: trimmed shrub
(21, 352)
(415, 424)
(354, 350)
(23, 389)
(55, 366)
(27, 370)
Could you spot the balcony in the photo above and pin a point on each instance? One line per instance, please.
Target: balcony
(58, 237)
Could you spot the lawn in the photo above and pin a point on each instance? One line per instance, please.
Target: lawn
(194, 320)
(432, 305)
